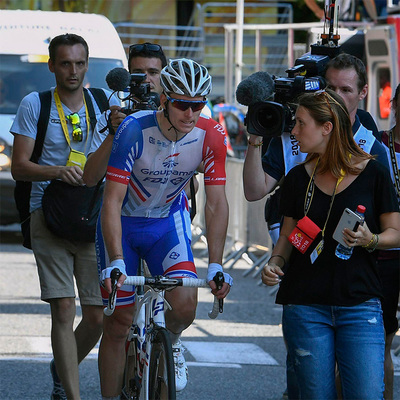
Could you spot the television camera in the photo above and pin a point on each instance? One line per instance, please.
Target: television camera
(271, 118)
(140, 97)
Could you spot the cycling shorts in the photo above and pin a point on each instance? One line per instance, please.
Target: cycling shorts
(164, 243)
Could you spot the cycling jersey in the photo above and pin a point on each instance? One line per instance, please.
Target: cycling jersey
(154, 216)
(156, 169)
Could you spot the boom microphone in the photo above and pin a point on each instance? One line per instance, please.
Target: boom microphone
(118, 79)
(256, 87)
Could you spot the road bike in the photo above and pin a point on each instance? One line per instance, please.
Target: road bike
(149, 368)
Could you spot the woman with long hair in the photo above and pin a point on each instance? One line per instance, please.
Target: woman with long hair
(332, 312)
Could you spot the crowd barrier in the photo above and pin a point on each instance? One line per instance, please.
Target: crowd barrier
(248, 236)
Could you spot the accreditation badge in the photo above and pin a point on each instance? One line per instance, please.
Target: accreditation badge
(317, 251)
(76, 158)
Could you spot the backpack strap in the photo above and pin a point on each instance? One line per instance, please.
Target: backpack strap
(43, 121)
(22, 190)
(101, 100)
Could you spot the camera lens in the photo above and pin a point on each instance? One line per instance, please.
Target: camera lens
(265, 119)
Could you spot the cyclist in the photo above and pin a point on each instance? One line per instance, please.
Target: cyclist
(144, 213)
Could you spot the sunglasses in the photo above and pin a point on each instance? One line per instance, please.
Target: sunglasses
(183, 105)
(76, 127)
(138, 48)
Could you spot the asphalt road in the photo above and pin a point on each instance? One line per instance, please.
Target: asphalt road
(240, 355)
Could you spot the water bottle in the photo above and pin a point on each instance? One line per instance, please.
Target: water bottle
(344, 252)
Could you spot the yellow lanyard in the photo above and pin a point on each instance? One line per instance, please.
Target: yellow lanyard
(63, 119)
(310, 195)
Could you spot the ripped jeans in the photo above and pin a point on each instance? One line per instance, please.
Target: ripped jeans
(320, 336)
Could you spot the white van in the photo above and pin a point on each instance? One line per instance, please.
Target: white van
(25, 37)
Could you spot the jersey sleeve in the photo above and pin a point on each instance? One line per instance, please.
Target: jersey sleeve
(214, 154)
(126, 148)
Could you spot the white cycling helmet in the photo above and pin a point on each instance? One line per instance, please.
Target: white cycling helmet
(186, 77)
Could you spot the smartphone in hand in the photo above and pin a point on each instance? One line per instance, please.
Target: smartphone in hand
(349, 219)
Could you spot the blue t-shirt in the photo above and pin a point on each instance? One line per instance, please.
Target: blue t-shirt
(55, 147)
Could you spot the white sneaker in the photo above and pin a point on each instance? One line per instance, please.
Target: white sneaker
(181, 369)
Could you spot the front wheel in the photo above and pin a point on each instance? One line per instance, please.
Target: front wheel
(161, 367)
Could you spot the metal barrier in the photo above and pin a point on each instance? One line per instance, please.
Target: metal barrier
(176, 40)
(203, 38)
(247, 236)
(231, 64)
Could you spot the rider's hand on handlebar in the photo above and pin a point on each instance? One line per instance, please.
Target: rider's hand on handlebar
(105, 274)
(213, 268)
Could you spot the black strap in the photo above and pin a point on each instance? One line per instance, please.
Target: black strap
(393, 160)
(101, 98)
(43, 121)
(192, 199)
(22, 189)
(92, 115)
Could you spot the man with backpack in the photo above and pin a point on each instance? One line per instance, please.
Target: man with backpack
(57, 153)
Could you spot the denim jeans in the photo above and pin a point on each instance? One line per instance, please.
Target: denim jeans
(320, 336)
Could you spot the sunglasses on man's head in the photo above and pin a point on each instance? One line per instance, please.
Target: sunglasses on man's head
(183, 105)
(137, 48)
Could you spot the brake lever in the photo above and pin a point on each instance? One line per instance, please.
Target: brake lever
(219, 280)
(114, 276)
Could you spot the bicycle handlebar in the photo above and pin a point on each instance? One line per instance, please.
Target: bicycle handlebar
(160, 282)
(157, 282)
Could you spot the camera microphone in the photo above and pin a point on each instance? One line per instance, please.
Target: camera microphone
(118, 79)
(256, 87)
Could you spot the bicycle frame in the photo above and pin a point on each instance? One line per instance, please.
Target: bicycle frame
(148, 319)
(150, 307)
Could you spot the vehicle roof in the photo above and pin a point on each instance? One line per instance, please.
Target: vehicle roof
(30, 32)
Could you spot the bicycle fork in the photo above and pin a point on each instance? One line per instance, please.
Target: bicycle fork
(149, 312)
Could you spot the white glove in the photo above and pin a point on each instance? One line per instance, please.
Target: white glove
(213, 268)
(119, 263)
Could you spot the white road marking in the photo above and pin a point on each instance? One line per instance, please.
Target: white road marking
(206, 354)
(211, 365)
(229, 353)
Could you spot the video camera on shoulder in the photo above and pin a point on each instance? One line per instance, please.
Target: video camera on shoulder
(140, 97)
(271, 99)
